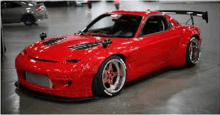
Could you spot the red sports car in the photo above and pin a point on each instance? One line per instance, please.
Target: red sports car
(114, 49)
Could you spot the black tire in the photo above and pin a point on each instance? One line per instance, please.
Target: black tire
(105, 82)
(17, 84)
(3, 49)
(28, 20)
(193, 55)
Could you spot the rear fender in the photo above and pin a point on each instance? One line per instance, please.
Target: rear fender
(179, 56)
(189, 33)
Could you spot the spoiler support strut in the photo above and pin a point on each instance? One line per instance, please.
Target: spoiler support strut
(191, 16)
(204, 15)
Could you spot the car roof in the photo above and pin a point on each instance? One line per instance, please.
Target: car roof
(18, 2)
(137, 13)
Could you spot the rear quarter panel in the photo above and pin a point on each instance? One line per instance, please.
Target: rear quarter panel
(179, 57)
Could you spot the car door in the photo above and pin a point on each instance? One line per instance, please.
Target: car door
(158, 41)
(11, 12)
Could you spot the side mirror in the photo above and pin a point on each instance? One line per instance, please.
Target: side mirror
(106, 42)
(43, 35)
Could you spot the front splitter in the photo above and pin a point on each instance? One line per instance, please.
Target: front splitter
(31, 93)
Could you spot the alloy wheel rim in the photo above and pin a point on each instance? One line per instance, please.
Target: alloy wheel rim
(114, 75)
(194, 51)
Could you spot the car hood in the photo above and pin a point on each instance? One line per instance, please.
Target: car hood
(68, 47)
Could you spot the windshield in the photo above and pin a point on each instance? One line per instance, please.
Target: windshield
(114, 25)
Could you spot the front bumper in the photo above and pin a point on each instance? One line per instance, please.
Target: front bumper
(24, 90)
(66, 81)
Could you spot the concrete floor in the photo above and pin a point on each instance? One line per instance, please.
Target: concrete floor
(170, 91)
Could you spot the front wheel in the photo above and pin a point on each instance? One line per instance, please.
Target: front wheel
(110, 78)
(193, 52)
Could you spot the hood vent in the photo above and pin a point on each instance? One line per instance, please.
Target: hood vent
(85, 45)
(53, 41)
(91, 44)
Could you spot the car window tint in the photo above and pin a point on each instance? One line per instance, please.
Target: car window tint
(3, 5)
(115, 25)
(23, 2)
(13, 5)
(155, 24)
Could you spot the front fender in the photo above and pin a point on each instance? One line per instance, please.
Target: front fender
(92, 66)
(90, 69)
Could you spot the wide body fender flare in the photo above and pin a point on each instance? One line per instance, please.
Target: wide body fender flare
(91, 68)
(179, 56)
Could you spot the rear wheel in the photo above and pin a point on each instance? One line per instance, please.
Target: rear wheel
(193, 52)
(110, 78)
(28, 20)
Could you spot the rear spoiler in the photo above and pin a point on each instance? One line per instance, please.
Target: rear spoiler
(204, 15)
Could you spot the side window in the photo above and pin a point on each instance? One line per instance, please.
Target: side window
(155, 24)
(4, 5)
(9, 5)
(14, 5)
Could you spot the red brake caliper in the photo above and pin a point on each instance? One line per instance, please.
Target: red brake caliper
(110, 69)
(108, 75)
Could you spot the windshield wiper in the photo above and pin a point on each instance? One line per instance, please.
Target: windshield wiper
(101, 34)
(81, 33)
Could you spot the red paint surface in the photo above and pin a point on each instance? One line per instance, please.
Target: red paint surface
(143, 55)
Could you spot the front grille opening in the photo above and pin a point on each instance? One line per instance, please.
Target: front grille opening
(41, 80)
(52, 61)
